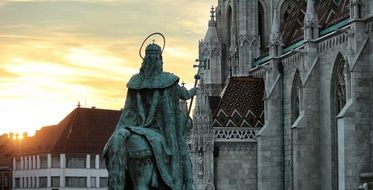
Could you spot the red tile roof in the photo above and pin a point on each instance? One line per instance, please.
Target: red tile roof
(328, 13)
(84, 130)
(241, 104)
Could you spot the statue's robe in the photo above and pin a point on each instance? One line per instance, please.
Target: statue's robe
(152, 110)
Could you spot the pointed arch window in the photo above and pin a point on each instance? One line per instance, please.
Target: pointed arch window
(286, 9)
(295, 97)
(357, 9)
(338, 101)
(339, 80)
(229, 25)
(261, 25)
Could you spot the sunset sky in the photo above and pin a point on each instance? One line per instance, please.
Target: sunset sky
(54, 53)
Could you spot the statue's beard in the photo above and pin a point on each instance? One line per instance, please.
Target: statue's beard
(151, 66)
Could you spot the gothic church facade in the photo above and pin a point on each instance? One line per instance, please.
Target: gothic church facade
(285, 97)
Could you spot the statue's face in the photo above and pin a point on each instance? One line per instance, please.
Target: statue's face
(153, 52)
(152, 64)
(154, 57)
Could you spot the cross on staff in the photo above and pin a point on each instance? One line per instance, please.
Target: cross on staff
(201, 64)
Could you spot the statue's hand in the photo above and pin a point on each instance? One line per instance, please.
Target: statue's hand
(193, 91)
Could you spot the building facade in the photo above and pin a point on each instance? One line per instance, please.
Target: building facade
(6, 153)
(67, 155)
(63, 171)
(5, 178)
(314, 59)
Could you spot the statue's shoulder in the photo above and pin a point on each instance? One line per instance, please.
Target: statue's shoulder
(163, 80)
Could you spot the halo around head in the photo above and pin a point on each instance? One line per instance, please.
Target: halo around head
(155, 33)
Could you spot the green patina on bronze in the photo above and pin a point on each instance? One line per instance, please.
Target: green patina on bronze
(148, 148)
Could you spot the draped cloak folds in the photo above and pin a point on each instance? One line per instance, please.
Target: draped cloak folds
(152, 110)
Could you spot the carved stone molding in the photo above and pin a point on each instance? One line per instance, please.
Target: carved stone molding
(210, 49)
(235, 134)
(248, 40)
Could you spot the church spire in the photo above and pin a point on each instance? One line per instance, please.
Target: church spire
(275, 38)
(275, 30)
(311, 22)
(212, 17)
(211, 34)
(311, 16)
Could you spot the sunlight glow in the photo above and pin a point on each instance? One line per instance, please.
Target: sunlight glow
(51, 59)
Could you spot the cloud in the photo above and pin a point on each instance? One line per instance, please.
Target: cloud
(55, 53)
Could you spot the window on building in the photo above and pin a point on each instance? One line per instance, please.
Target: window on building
(43, 181)
(25, 182)
(25, 163)
(6, 180)
(93, 181)
(103, 181)
(339, 96)
(93, 161)
(102, 162)
(55, 181)
(17, 182)
(76, 182)
(286, 9)
(261, 27)
(229, 25)
(55, 161)
(1, 179)
(295, 97)
(18, 163)
(75, 161)
(43, 161)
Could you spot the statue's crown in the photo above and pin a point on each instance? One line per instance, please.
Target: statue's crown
(153, 49)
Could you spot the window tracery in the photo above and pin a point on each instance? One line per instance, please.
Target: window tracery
(295, 97)
(286, 8)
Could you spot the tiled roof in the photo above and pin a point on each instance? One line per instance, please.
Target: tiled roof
(328, 13)
(241, 104)
(42, 142)
(8, 148)
(84, 130)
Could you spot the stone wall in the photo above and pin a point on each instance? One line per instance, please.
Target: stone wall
(235, 166)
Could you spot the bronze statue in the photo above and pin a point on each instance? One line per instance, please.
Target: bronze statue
(148, 148)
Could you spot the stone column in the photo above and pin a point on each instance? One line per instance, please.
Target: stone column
(88, 161)
(38, 162)
(22, 165)
(306, 133)
(270, 138)
(34, 162)
(49, 161)
(97, 162)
